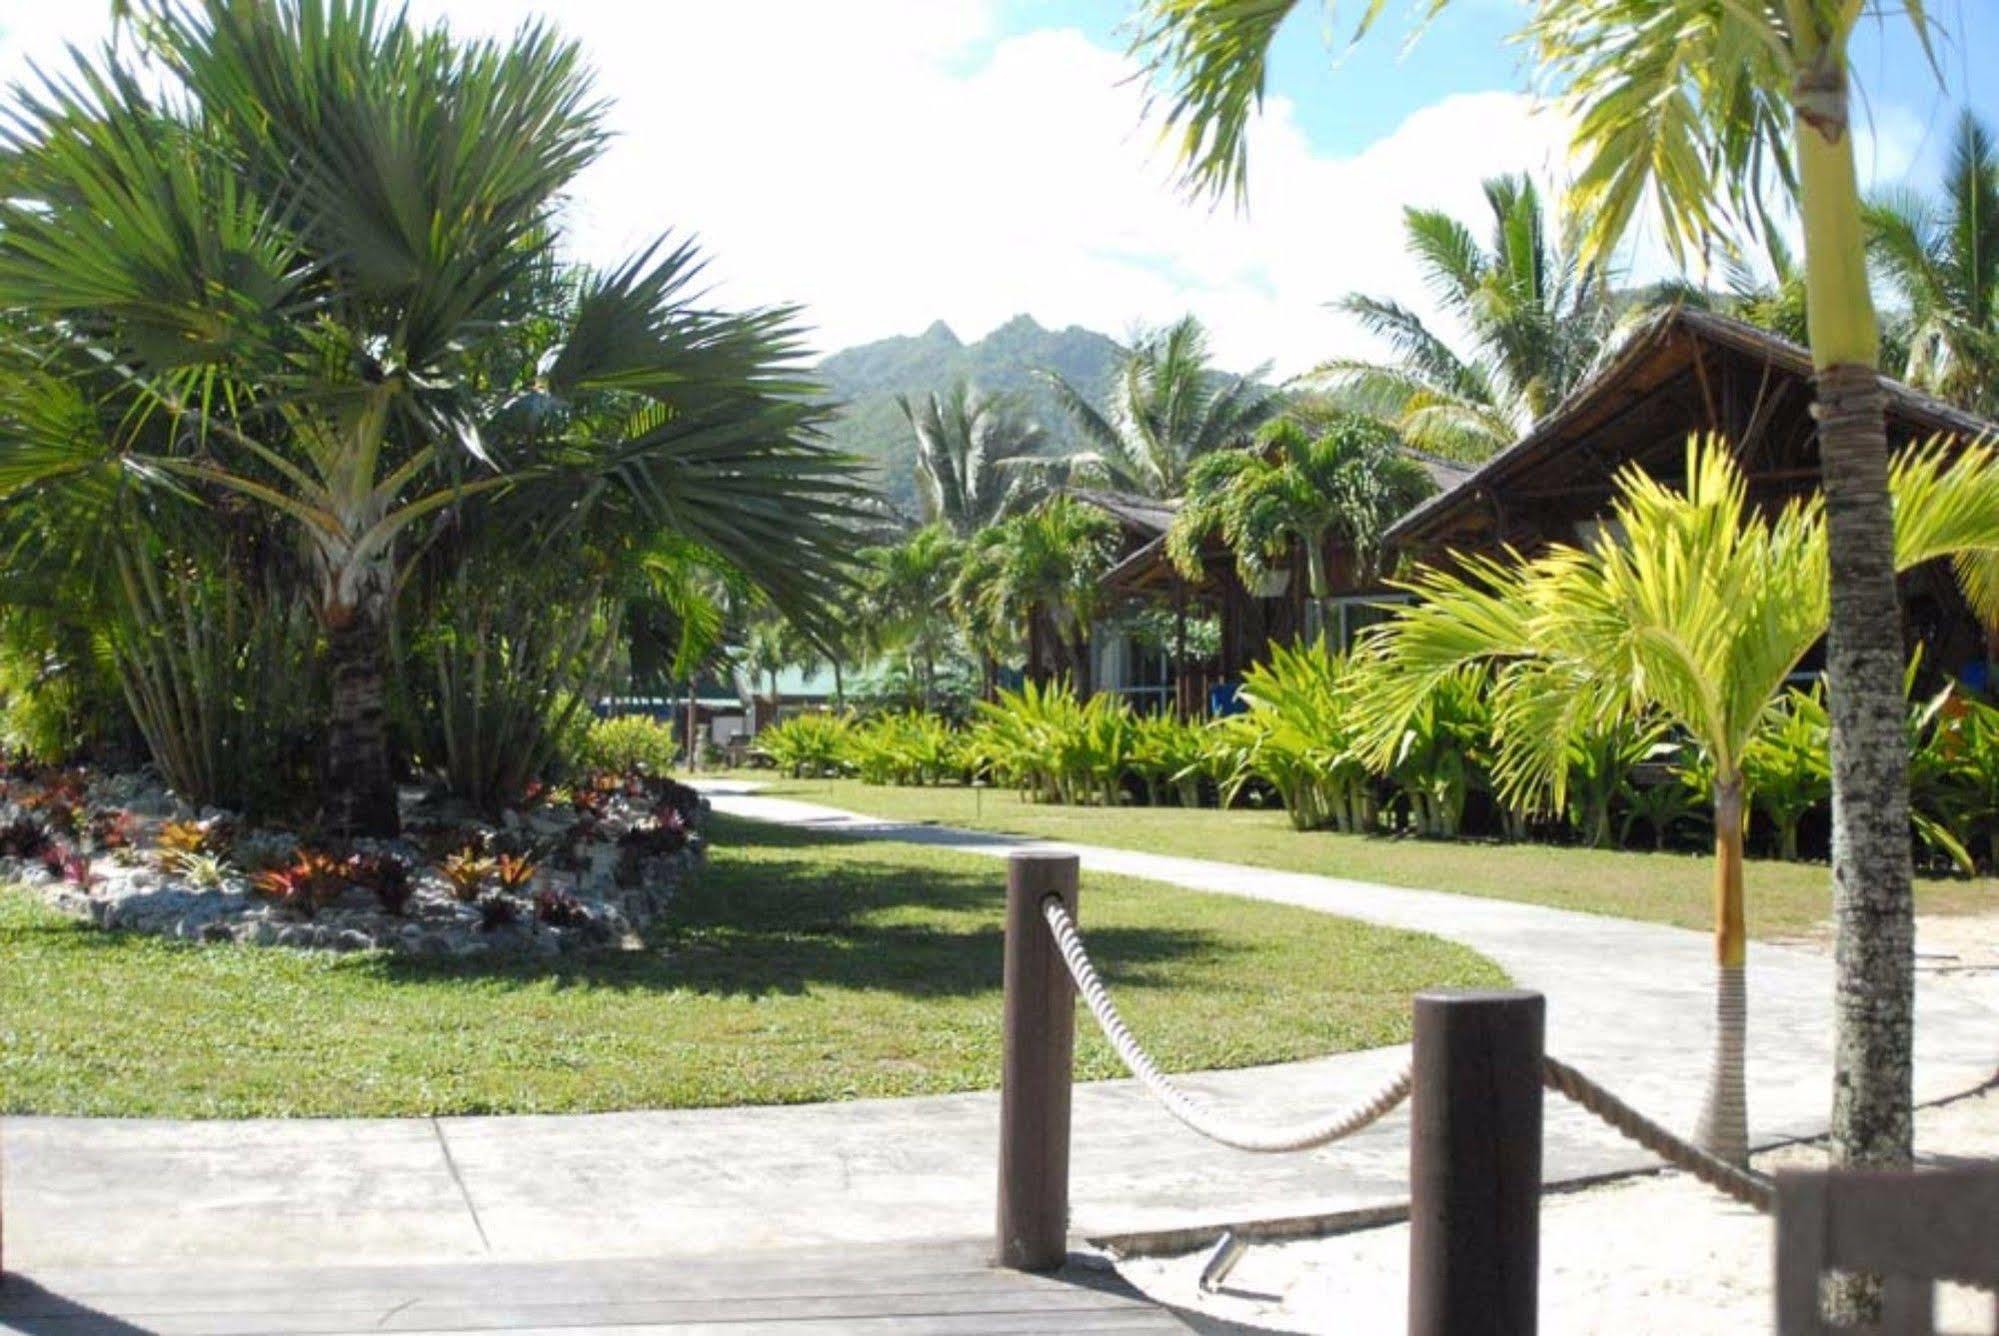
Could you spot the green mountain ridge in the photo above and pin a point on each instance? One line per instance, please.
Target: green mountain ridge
(867, 379)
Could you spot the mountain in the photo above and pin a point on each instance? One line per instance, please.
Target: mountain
(869, 377)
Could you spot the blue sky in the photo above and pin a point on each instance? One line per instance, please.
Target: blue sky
(1350, 96)
(888, 163)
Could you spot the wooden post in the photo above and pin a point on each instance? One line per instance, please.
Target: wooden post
(1036, 1068)
(1475, 1163)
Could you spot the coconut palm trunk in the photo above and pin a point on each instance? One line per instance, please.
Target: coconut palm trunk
(360, 787)
(1873, 904)
(1724, 1121)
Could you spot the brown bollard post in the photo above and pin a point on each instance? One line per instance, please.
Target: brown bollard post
(1475, 1163)
(1036, 1068)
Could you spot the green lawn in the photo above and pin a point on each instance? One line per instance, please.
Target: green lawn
(1784, 899)
(800, 967)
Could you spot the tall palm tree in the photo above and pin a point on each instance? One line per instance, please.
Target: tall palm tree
(1299, 487)
(1697, 610)
(1703, 107)
(902, 607)
(1167, 408)
(1536, 314)
(309, 258)
(978, 457)
(1041, 570)
(1941, 255)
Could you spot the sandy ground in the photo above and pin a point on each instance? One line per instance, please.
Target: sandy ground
(1655, 1254)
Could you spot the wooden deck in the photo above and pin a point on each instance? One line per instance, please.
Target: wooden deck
(943, 1289)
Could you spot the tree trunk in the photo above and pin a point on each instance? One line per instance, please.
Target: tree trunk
(1724, 1122)
(1079, 670)
(1182, 706)
(1317, 586)
(839, 685)
(693, 727)
(1873, 904)
(361, 790)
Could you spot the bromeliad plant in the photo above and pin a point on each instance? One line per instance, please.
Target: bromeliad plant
(1696, 614)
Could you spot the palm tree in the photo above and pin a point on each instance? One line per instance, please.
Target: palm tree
(902, 607)
(1297, 487)
(1702, 107)
(1167, 408)
(978, 459)
(1537, 316)
(1697, 610)
(315, 260)
(1942, 257)
(1041, 570)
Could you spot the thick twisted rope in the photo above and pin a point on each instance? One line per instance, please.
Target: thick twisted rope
(1187, 1108)
(1751, 1189)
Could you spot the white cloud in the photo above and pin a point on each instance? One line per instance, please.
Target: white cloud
(887, 163)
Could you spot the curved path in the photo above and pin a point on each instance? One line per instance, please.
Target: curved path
(1628, 1002)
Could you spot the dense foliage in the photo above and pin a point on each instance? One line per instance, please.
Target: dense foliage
(311, 441)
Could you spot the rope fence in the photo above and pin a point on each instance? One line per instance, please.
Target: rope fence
(1186, 1107)
(1741, 1185)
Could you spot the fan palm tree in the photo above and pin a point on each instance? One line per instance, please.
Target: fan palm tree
(1941, 255)
(1297, 487)
(1167, 408)
(902, 606)
(1703, 107)
(978, 458)
(309, 258)
(1697, 610)
(1041, 570)
(1536, 314)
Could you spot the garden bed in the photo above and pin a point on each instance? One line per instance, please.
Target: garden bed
(591, 866)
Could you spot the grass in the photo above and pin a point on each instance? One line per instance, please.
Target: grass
(1784, 899)
(800, 966)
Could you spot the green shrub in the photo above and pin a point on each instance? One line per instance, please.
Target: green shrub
(1169, 755)
(1788, 764)
(1297, 736)
(909, 747)
(1955, 778)
(808, 744)
(1054, 747)
(628, 743)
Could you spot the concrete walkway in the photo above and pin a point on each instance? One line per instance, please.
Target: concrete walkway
(1628, 1002)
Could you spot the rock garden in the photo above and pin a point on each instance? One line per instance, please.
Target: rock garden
(585, 865)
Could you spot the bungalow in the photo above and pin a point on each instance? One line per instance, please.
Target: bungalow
(1686, 372)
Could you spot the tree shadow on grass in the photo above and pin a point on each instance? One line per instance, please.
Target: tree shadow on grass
(798, 912)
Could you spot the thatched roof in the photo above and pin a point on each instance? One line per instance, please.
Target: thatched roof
(1602, 424)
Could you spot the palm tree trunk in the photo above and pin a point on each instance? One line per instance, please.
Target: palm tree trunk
(1873, 902)
(1724, 1122)
(360, 789)
(1317, 586)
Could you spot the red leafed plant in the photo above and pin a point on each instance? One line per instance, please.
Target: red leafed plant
(306, 885)
(558, 908)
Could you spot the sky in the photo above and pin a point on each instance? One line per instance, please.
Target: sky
(888, 163)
